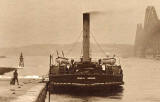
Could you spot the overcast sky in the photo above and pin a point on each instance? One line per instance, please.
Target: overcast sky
(24, 22)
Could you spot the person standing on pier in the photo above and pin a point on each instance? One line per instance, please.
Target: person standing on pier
(15, 77)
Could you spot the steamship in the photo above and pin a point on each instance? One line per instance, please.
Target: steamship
(85, 72)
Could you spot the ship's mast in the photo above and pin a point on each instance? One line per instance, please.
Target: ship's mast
(86, 37)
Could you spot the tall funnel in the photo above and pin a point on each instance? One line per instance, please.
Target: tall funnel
(86, 37)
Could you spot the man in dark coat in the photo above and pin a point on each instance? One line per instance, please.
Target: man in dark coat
(15, 76)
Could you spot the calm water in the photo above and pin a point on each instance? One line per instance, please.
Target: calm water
(141, 77)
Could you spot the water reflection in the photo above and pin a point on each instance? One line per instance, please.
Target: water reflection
(82, 94)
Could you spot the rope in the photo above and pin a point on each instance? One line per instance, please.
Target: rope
(74, 44)
(98, 44)
(77, 39)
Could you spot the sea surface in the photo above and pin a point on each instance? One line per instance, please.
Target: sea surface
(141, 77)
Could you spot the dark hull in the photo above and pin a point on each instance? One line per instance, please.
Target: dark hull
(72, 79)
(70, 83)
(94, 90)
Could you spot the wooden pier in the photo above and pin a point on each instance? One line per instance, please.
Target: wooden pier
(29, 90)
(35, 94)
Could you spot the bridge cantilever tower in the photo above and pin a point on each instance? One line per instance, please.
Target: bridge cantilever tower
(147, 37)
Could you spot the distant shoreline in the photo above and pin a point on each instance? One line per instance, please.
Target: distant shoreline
(3, 57)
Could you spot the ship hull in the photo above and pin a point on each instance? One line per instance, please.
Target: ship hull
(84, 82)
(86, 79)
(80, 88)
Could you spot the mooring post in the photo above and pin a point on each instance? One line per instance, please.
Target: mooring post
(49, 95)
(50, 64)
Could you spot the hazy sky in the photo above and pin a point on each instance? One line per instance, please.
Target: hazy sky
(24, 22)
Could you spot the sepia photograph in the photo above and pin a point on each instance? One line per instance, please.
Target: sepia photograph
(79, 51)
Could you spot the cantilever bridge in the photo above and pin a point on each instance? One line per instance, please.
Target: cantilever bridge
(147, 42)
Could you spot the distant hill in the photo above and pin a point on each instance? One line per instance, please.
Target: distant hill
(69, 49)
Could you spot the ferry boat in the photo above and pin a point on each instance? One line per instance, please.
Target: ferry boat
(86, 72)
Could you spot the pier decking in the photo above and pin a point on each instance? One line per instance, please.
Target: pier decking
(35, 94)
(29, 90)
